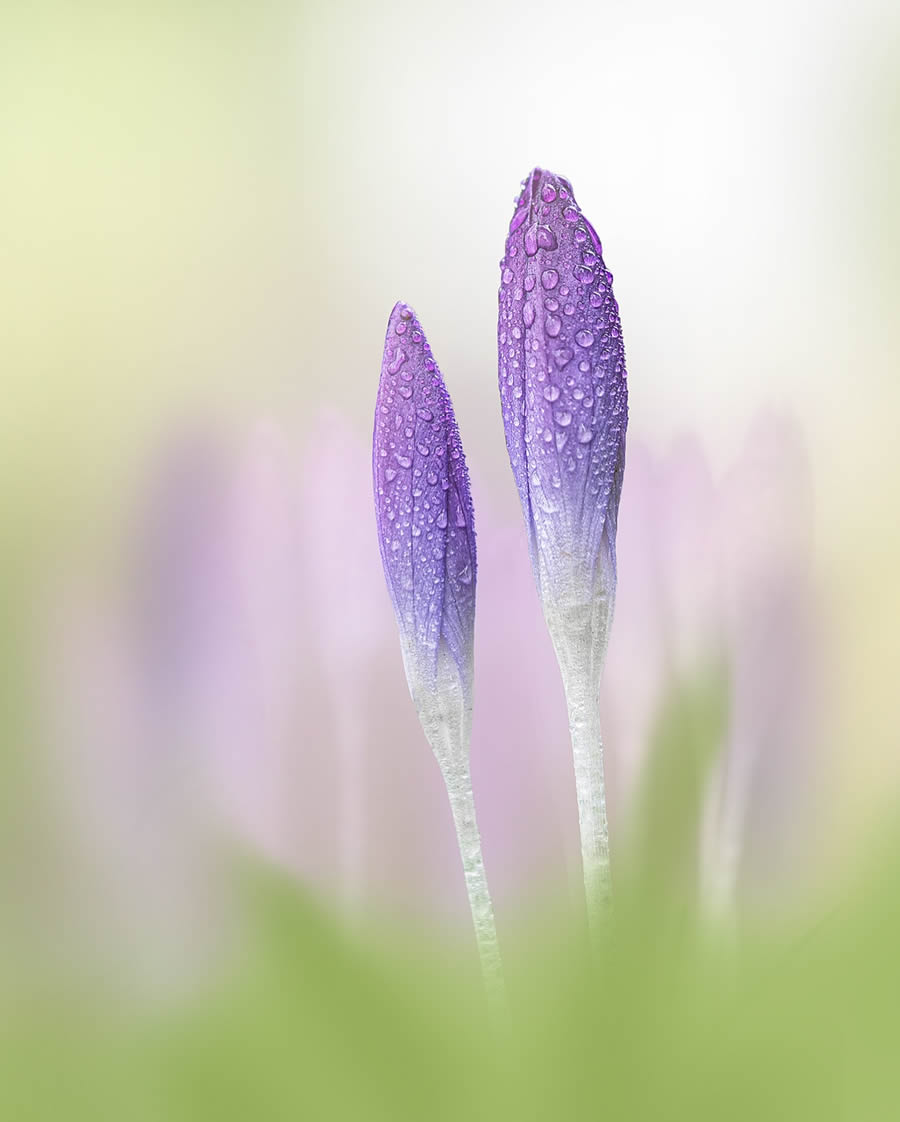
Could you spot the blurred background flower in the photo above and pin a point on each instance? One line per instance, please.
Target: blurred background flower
(252, 689)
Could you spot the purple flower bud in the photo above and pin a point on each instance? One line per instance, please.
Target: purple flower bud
(423, 508)
(562, 389)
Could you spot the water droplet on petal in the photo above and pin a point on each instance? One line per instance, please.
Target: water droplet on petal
(518, 218)
(397, 362)
(529, 282)
(531, 241)
(552, 326)
(562, 357)
(403, 461)
(442, 520)
(389, 474)
(570, 214)
(507, 275)
(549, 278)
(425, 414)
(585, 435)
(546, 239)
(584, 338)
(563, 417)
(548, 193)
(528, 314)
(551, 393)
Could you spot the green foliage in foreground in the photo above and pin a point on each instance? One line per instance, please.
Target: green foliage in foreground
(313, 1026)
(664, 1023)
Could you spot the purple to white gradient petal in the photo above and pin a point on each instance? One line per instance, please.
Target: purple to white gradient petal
(562, 385)
(423, 505)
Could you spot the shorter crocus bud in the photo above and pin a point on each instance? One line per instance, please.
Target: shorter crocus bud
(425, 528)
(426, 531)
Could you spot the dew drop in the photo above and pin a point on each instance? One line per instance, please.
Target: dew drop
(518, 218)
(546, 239)
(563, 417)
(551, 393)
(561, 439)
(531, 241)
(405, 391)
(585, 435)
(570, 214)
(425, 414)
(397, 362)
(528, 314)
(442, 520)
(583, 274)
(552, 325)
(584, 338)
(529, 282)
(403, 461)
(389, 474)
(562, 357)
(549, 278)
(548, 194)
(507, 275)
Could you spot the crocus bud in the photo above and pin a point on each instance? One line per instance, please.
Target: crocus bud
(426, 530)
(562, 390)
(564, 401)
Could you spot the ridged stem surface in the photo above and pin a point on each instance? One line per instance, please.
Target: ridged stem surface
(579, 634)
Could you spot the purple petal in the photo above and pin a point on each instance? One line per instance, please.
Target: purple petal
(423, 505)
(562, 384)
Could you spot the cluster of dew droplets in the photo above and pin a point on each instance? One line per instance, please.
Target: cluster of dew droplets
(422, 493)
(561, 362)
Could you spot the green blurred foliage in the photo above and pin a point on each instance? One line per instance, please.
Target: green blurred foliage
(665, 1021)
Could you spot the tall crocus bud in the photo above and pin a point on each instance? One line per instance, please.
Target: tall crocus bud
(564, 400)
(426, 531)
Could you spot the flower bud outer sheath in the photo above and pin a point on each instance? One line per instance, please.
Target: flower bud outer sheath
(563, 391)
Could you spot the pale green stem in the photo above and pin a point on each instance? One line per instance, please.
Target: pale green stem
(462, 805)
(579, 634)
(446, 715)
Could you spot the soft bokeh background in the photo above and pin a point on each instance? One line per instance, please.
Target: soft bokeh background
(206, 214)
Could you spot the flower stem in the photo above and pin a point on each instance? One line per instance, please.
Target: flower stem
(446, 716)
(462, 805)
(579, 632)
(590, 789)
